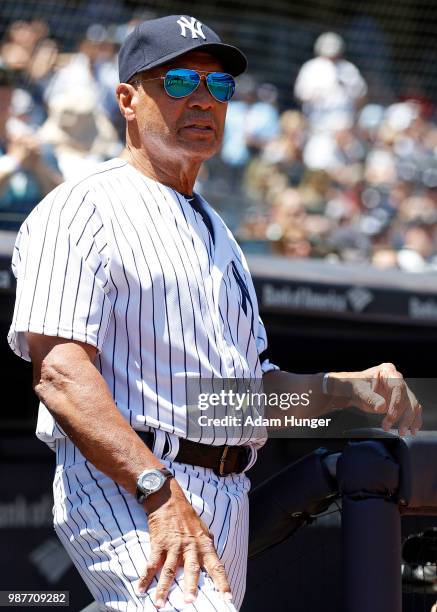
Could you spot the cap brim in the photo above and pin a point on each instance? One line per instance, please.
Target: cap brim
(234, 61)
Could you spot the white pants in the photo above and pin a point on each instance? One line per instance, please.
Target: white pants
(105, 532)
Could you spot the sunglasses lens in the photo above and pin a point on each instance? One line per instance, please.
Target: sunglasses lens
(181, 82)
(221, 85)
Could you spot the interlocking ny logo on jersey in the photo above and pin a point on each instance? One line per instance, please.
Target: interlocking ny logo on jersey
(194, 26)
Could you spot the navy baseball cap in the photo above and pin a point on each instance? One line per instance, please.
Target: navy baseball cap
(157, 41)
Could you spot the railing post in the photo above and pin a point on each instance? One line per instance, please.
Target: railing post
(368, 478)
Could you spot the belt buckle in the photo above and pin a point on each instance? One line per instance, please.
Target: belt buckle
(223, 461)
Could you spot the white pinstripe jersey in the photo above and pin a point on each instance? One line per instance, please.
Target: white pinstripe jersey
(127, 265)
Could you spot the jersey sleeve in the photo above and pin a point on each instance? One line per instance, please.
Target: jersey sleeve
(60, 263)
(261, 344)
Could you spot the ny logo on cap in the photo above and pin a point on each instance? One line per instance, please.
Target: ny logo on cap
(194, 26)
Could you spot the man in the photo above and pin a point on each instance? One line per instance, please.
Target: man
(329, 87)
(129, 287)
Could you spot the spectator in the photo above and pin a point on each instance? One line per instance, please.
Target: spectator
(28, 169)
(92, 69)
(27, 50)
(20, 43)
(234, 149)
(80, 134)
(252, 121)
(329, 87)
(418, 252)
(262, 121)
(385, 258)
(279, 161)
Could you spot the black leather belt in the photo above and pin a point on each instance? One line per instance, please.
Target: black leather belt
(223, 460)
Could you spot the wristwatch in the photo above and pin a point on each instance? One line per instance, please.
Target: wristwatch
(150, 481)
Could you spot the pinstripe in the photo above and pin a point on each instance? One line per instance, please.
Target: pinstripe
(107, 575)
(89, 554)
(17, 250)
(222, 528)
(63, 285)
(75, 300)
(114, 380)
(100, 323)
(85, 225)
(78, 554)
(214, 505)
(236, 548)
(126, 325)
(91, 301)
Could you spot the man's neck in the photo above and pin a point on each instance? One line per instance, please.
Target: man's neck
(177, 175)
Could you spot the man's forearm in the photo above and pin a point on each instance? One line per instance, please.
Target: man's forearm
(78, 398)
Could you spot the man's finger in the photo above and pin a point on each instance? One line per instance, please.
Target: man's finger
(155, 563)
(392, 414)
(369, 401)
(406, 421)
(401, 407)
(411, 413)
(217, 572)
(191, 574)
(417, 423)
(166, 578)
(417, 408)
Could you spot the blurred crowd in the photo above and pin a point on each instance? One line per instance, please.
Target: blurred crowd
(58, 114)
(335, 175)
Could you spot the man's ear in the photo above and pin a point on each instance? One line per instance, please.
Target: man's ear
(127, 96)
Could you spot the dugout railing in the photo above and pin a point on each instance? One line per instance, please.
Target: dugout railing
(380, 480)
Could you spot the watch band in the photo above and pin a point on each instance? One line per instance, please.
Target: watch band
(325, 384)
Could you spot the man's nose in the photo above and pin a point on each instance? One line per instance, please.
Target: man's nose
(201, 97)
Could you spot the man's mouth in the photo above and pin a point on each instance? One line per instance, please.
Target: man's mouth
(203, 128)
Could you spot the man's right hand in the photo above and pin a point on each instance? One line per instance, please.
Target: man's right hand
(179, 538)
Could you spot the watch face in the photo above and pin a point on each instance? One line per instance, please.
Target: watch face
(152, 481)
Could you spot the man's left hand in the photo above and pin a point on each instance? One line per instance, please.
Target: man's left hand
(382, 390)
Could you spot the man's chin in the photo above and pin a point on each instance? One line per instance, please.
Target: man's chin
(199, 147)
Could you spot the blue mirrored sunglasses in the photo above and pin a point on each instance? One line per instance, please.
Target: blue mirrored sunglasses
(181, 82)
